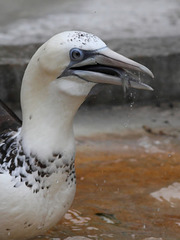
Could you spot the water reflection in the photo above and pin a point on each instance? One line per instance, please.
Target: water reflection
(170, 194)
(73, 217)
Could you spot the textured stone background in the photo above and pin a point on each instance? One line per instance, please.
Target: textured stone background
(145, 30)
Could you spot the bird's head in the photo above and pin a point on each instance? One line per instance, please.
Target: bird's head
(75, 61)
(56, 82)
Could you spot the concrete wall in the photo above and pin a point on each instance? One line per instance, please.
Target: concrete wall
(147, 31)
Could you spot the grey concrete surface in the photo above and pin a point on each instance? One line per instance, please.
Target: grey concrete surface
(25, 21)
(147, 31)
(129, 120)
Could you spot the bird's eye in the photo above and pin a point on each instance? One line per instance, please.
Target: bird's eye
(76, 54)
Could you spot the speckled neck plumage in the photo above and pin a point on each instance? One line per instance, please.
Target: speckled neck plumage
(28, 169)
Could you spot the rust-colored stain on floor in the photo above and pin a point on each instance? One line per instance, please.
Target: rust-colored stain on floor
(127, 188)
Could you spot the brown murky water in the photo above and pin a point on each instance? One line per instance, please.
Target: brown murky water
(127, 188)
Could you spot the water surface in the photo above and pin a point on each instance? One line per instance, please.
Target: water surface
(127, 188)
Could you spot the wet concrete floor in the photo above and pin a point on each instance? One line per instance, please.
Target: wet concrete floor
(128, 187)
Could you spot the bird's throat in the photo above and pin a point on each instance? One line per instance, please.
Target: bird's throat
(48, 121)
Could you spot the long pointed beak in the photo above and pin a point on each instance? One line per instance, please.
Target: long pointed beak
(111, 58)
(107, 66)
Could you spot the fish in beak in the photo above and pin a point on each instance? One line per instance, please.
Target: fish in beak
(106, 66)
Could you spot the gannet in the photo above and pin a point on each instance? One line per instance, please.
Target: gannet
(37, 172)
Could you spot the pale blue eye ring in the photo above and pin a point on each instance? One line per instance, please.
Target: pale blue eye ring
(76, 54)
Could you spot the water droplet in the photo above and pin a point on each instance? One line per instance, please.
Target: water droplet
(131, 104)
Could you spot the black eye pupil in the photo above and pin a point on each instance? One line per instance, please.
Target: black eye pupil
(76, 54)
